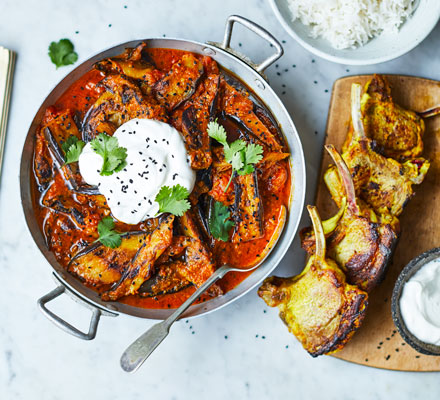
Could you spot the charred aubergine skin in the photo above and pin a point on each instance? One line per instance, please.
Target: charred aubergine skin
(318, 306)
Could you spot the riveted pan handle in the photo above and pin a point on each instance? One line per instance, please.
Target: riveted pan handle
(65, 326)
(257, 29)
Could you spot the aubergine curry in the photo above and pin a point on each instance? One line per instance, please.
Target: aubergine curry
(236, 208)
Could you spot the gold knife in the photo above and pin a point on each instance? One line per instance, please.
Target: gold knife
(7, 63)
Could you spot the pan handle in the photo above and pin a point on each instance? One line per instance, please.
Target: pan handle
(257, 29)
(65, 326)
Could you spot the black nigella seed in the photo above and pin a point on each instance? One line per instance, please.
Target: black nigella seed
(140, 152)
(137, 122)
(131, 180)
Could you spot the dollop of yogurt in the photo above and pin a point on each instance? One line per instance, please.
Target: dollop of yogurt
(156, 156)
(420, 303)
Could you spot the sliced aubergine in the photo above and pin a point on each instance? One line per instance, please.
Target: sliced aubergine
(140, 267)
(166, 280)
(239, 107)
(248, 209)
(70, 172)
(134, 63)
(195, 119)
(100, 265)
(180, 83)
(122, 100)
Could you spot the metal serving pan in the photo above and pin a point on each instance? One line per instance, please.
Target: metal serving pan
(252, 75)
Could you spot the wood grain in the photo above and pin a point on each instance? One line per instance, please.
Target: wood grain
(378, 343)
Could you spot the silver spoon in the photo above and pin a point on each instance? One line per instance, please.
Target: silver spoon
(135, 355)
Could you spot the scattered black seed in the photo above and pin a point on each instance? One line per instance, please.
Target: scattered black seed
(77, 32)
(388, 357)
(226, 336)
(109, 25)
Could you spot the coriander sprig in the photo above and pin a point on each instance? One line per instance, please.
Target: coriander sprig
(107, 235)
(72, 148)
(173, 200)
(113, 155)
(62, 53)
(240, 155)
(219, 222)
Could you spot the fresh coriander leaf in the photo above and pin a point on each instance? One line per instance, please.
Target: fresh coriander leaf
(219, 222)
(232, 149)
(61, 53)
(69, 141)
(247, 169)
(252, 154)
(217, 132)
(113, 155)
(107, 235)
(72, 148)
(237, 160)
(173, 200)
(240, 155)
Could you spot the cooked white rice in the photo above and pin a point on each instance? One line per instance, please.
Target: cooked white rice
(351, 23)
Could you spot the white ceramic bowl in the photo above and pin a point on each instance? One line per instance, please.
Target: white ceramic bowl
(380, 49)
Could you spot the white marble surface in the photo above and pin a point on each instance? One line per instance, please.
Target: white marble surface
(241, 351)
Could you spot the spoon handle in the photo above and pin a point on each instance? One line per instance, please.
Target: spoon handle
(135, 354)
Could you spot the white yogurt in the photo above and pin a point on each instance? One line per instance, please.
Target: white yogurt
(156, 156)
(420, 303)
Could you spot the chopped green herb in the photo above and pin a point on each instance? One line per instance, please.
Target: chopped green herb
(219, 222)
(113, 155)
(240, 155)
(72, 148)
(107, 235)
(173, 200)
(61, 53)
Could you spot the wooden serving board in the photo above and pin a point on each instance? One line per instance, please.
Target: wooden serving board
(377, 343)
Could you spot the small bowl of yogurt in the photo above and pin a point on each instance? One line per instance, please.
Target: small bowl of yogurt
(416, 303)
